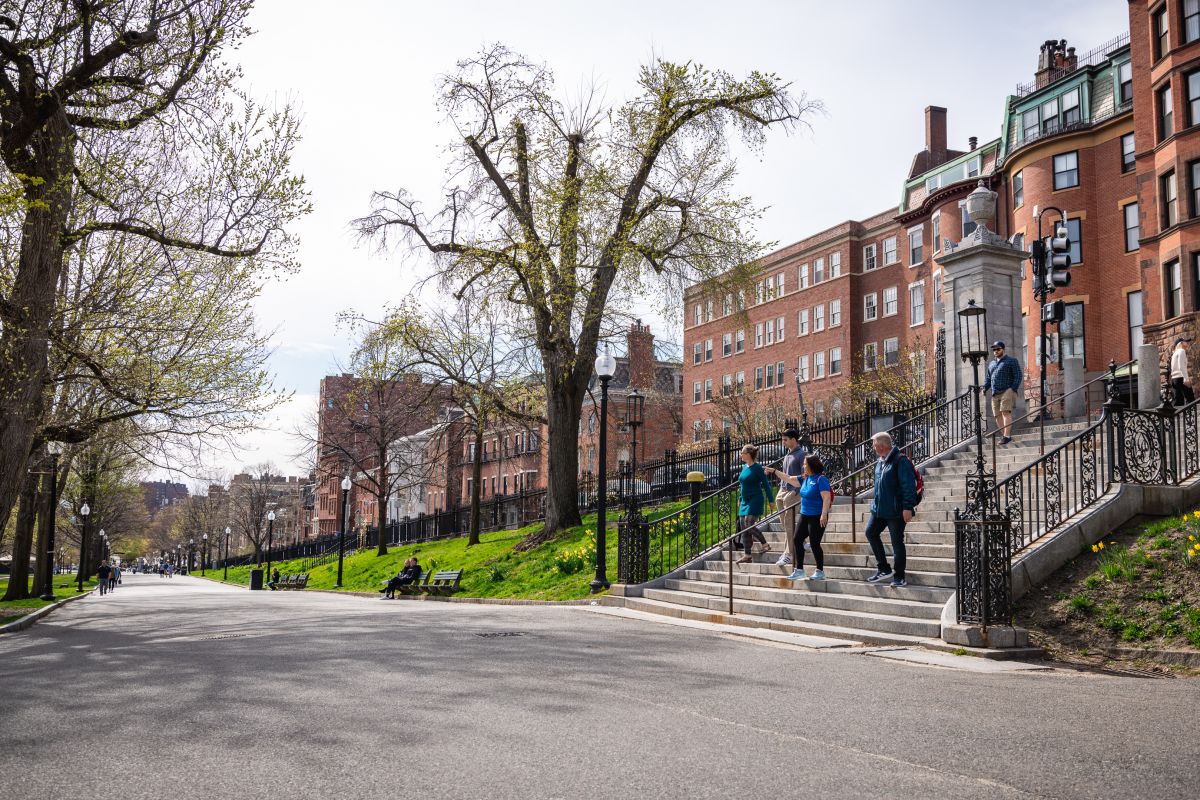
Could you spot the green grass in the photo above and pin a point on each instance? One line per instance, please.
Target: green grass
(64, 587)
(555, 570)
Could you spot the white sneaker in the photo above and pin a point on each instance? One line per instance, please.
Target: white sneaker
(808, 547)
(784, 560)
(798, 575)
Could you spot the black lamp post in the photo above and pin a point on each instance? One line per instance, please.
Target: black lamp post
(606, 367)
(84, 511)
(227, 532)
(270, 535)
(191, 549)
(103, 545)
(203, 553)
(634, 409)
(972, 341)
(53, 448)
(342, 533)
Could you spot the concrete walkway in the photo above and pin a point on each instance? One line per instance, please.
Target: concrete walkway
(230, 694)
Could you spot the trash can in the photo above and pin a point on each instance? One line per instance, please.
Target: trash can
(256, 579)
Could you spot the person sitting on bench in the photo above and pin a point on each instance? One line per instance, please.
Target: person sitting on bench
(274, 579)
(405, 577)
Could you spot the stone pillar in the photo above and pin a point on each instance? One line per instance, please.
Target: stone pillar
(1149, 377)
(1073, 378)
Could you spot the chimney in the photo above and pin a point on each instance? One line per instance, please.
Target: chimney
(973, 142)
(640, 352)
(935, 133)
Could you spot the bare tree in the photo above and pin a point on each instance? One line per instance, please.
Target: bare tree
(248, 505)
(900, 378)
(563, 211)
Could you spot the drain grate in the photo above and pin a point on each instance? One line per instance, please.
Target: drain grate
(498, 634)
(222, 636)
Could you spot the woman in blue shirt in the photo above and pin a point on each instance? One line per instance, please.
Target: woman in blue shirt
(756, 492)
(816, 498)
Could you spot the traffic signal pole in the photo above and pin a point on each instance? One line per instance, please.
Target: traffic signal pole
(1050, 265)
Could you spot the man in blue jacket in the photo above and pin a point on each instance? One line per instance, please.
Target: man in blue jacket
(1003, 381)
(892, 508)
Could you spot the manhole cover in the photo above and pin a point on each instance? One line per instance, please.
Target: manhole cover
(498, 634)
(222, 636)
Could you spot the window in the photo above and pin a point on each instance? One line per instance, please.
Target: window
(870, 351)
(1128, 153)
(1194, 175)
(870, 307)
(1050, 115)
(1162, 33)
(1070, 333)
(804, 276)
(760, 293)
(779, 374)
(819, 318)
(770, 331)
(758, 335)
(1133, 301)
(1070, 107)
(936, 223)
(802, 368)
(726, 345)
(916, 245)
(1132, 228)
(835, 313)
(779, 284)
(1191, 20)
(1174, 275)
(968, 225)
(918, 367)
(696, 431)
(1125, 82)
(1029, 124)
(889, 251)
(869, 258)
(1168, 193)
(770, 290)
(708, 389)
(1166, 115)
(818, 270)
(708, 349)
(819, 364)
(835, 361)
(1018, 187)
(802, 322)
(696, 316)
(932, 184)
(1066, 170)
(741, 300)
(727, 306)
(739, 342)
(890, 304)
(1192, 85)
(973, 167)
(770, 376)
(835, 264)
(758, 378)
(916, 303)
(697, 353)
(708, 310)
(937, 287)
(695, 392)
(740, 382)
(779, 329)
(1075, 234)
(891, 352)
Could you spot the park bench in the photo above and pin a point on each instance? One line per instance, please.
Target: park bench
(415, 588)
(293, 581)
(445, 582)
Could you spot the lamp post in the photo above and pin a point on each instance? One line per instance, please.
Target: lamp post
(270, 534)
(54, 449)
(634, 408)
(191, 549)
(342, 532)
(227, 532)
(633, 533)
(203, 553)
(84, 511)
(972, 341)
(606, 367)
(103, 545)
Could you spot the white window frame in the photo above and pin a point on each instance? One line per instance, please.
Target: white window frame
(870, 307)
(892, 256)
(726, 385)
(698, 353)
(696, 393)
(758, 335)
(919, 232)
(708, 350)
(912, 316)
(835, 313)
(708, 310)
(891, 346)
(833, 361)
(726, 345)
(739, 382)
(779, 284)
(869, 363)
(779, 329)
(770, 331)
(818, 365)
(802, 368)
(708, 393)
(818, 271)
(803, 273)
(818, 318)
(895, 301)
(739, 341)
(869, 260)
(935, 224)
(802, 322)
(835, 264)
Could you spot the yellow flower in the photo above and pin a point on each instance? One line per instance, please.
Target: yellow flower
(1112, 542)
(1100, 545)
(1095, 549)
(1191, 538)
(1196, 514)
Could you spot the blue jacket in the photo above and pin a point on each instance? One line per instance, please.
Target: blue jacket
(1003, 374)
(895, 486)
(755, 490)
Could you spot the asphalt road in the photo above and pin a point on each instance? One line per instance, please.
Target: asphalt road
(182, 688)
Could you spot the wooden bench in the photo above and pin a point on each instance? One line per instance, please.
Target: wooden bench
(292, 581)
(445, 582)
(415, 588)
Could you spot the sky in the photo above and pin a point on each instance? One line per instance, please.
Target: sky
(365, 82)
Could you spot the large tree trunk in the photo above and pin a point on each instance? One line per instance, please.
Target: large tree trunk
(381, 500)
(564, 402)
(476, 477)
(43, 577)
(18, 579)
(26, 319)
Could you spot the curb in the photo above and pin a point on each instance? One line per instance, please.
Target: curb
(28, 620)
(1183, 658)
(483, 601)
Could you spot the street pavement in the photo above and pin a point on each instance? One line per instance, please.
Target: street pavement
(185, 688)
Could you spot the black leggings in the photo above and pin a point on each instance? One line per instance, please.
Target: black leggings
(809, 527)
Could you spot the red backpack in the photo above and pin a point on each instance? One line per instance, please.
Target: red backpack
(920, 478)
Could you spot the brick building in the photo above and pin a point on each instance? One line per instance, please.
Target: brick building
(159, 494)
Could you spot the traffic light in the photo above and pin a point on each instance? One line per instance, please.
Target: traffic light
(1058, 264)
(1037, 259)
(1054, 312)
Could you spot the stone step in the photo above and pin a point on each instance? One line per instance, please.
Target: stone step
(922, 594)
(943, 549)
(861, 604)
(944, 580)
(880, 623)
(773, 623)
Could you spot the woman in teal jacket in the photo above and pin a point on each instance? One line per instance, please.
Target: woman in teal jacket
(756, 492)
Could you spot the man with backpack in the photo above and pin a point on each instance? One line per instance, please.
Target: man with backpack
(102, 577)
(892, 508)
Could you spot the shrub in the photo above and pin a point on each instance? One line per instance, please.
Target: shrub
(1083, 603)
(1134, 632)
(1193, 637)
(1092, 582)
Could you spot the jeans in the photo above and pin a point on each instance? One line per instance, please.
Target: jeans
(749, 528)
(1183, 393)
(809, 527)
(895, 526)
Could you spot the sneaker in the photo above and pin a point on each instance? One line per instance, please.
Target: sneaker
(798, 575)
(899, 582)
(818, 575)
(808, 547)
(1005, 439)
(880, 577)
(745, 560)
(784, 560)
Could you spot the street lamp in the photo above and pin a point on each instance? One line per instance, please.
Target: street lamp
(54, 449)
(634, 408)
(972, 342)
(227, 532)
(342, 532)
(270, 533)
(84, 511)
(203, 554)
(191, 548)
(103, 545)
(606, 367)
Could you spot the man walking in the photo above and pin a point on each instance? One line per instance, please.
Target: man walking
(1179, 375)
(789, 496)
(1003, 381)
(102, 577)
(892, 508)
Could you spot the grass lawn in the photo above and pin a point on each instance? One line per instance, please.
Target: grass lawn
(556, 570)
(64, 587)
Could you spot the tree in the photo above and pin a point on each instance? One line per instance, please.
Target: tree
(902, 383)
(562, 211)
(124, 101)
(248, 506)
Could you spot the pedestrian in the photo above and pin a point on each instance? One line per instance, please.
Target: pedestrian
(114, 577)
(816, 500)
(1179, 375)
(1003, 381)
(102, 578)
(755, 491)
(788, 497)
(892, 507)
(405, 577)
